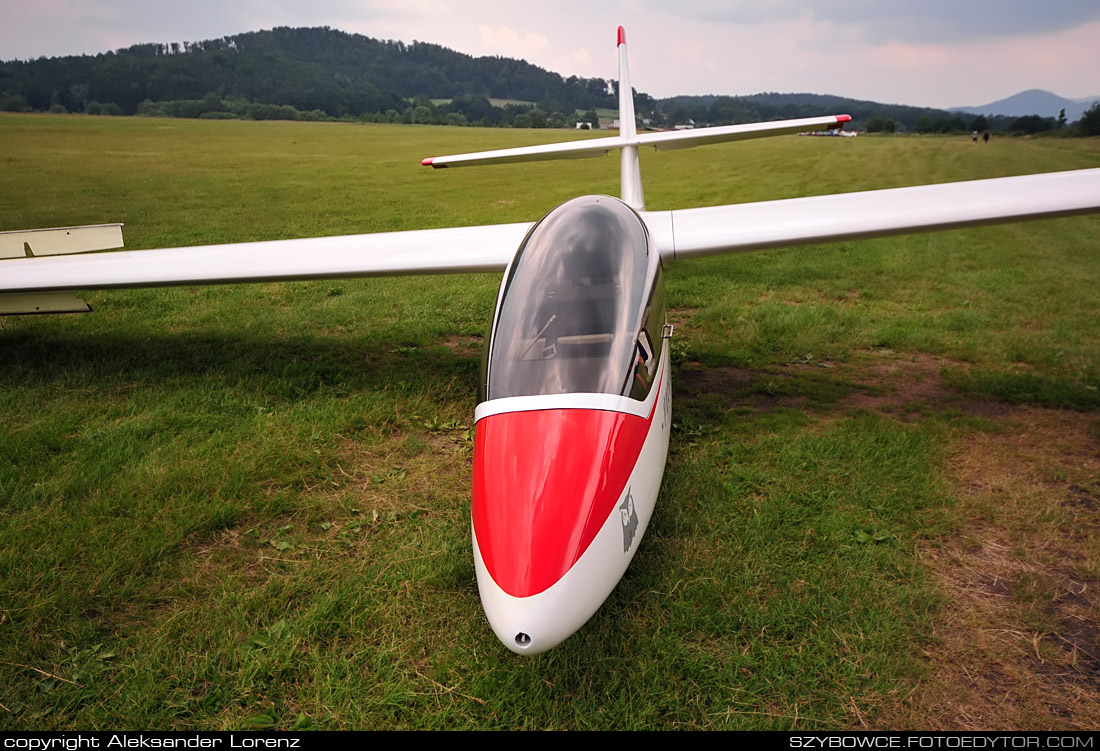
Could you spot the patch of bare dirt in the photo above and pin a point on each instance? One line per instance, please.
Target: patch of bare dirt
(742, 387)
(909, 383)
(1018, 641)
(908, 387)
(463, 346)
(697, 379)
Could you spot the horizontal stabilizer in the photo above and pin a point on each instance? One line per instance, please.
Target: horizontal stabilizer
(664, 140)
(682, 139)
(569, 150)
(60, 240)
(687, 233)
(34, 303)
(434, 251)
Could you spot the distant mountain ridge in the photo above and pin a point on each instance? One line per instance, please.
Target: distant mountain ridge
(1033, 102)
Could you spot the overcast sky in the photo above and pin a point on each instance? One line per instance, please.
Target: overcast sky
(937, 53)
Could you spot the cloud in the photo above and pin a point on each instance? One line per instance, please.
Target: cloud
(906, 20)
(510, 43)
(933, 52)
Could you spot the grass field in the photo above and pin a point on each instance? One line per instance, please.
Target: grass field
(234, 507)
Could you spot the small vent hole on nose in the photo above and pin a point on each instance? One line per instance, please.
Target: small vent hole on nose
(522, 639)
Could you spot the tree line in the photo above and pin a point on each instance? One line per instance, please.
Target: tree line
(866, 115)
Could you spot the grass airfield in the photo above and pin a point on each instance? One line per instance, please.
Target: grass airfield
(248, 507)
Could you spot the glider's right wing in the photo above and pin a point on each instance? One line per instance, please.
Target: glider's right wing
(432, 251)
(43, 285)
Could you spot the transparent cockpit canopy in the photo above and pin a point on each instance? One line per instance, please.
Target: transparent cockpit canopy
(572, 305)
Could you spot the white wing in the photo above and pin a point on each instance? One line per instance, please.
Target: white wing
(434, 251)
(686, 233)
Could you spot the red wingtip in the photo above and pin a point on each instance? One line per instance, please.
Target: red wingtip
(843, 118)
(426, 162)
(622, 37)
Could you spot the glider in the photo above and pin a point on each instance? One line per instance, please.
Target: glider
(573, 415)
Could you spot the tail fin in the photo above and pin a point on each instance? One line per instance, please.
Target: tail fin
(630, 170)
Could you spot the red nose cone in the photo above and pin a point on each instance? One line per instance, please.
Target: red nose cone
(545, 482)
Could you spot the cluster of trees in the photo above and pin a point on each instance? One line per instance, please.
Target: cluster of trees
(723, 110)
(307, 70)
(1089, 124)
(961, 123)
(420, 111)
(873, 117)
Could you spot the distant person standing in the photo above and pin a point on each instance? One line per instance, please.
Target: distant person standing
(974, 137)
(985, 137)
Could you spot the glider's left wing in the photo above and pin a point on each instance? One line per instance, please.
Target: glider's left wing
(687, 233)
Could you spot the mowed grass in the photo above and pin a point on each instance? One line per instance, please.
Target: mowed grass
(231, 507)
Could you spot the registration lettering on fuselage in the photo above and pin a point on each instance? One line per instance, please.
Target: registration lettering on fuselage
(629, 517)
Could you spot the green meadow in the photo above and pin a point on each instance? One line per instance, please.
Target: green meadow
(248, 507)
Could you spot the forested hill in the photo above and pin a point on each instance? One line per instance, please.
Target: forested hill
(318, 69)
(323, 73)
(770, 106)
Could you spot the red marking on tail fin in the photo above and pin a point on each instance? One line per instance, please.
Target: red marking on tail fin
(622, 37)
